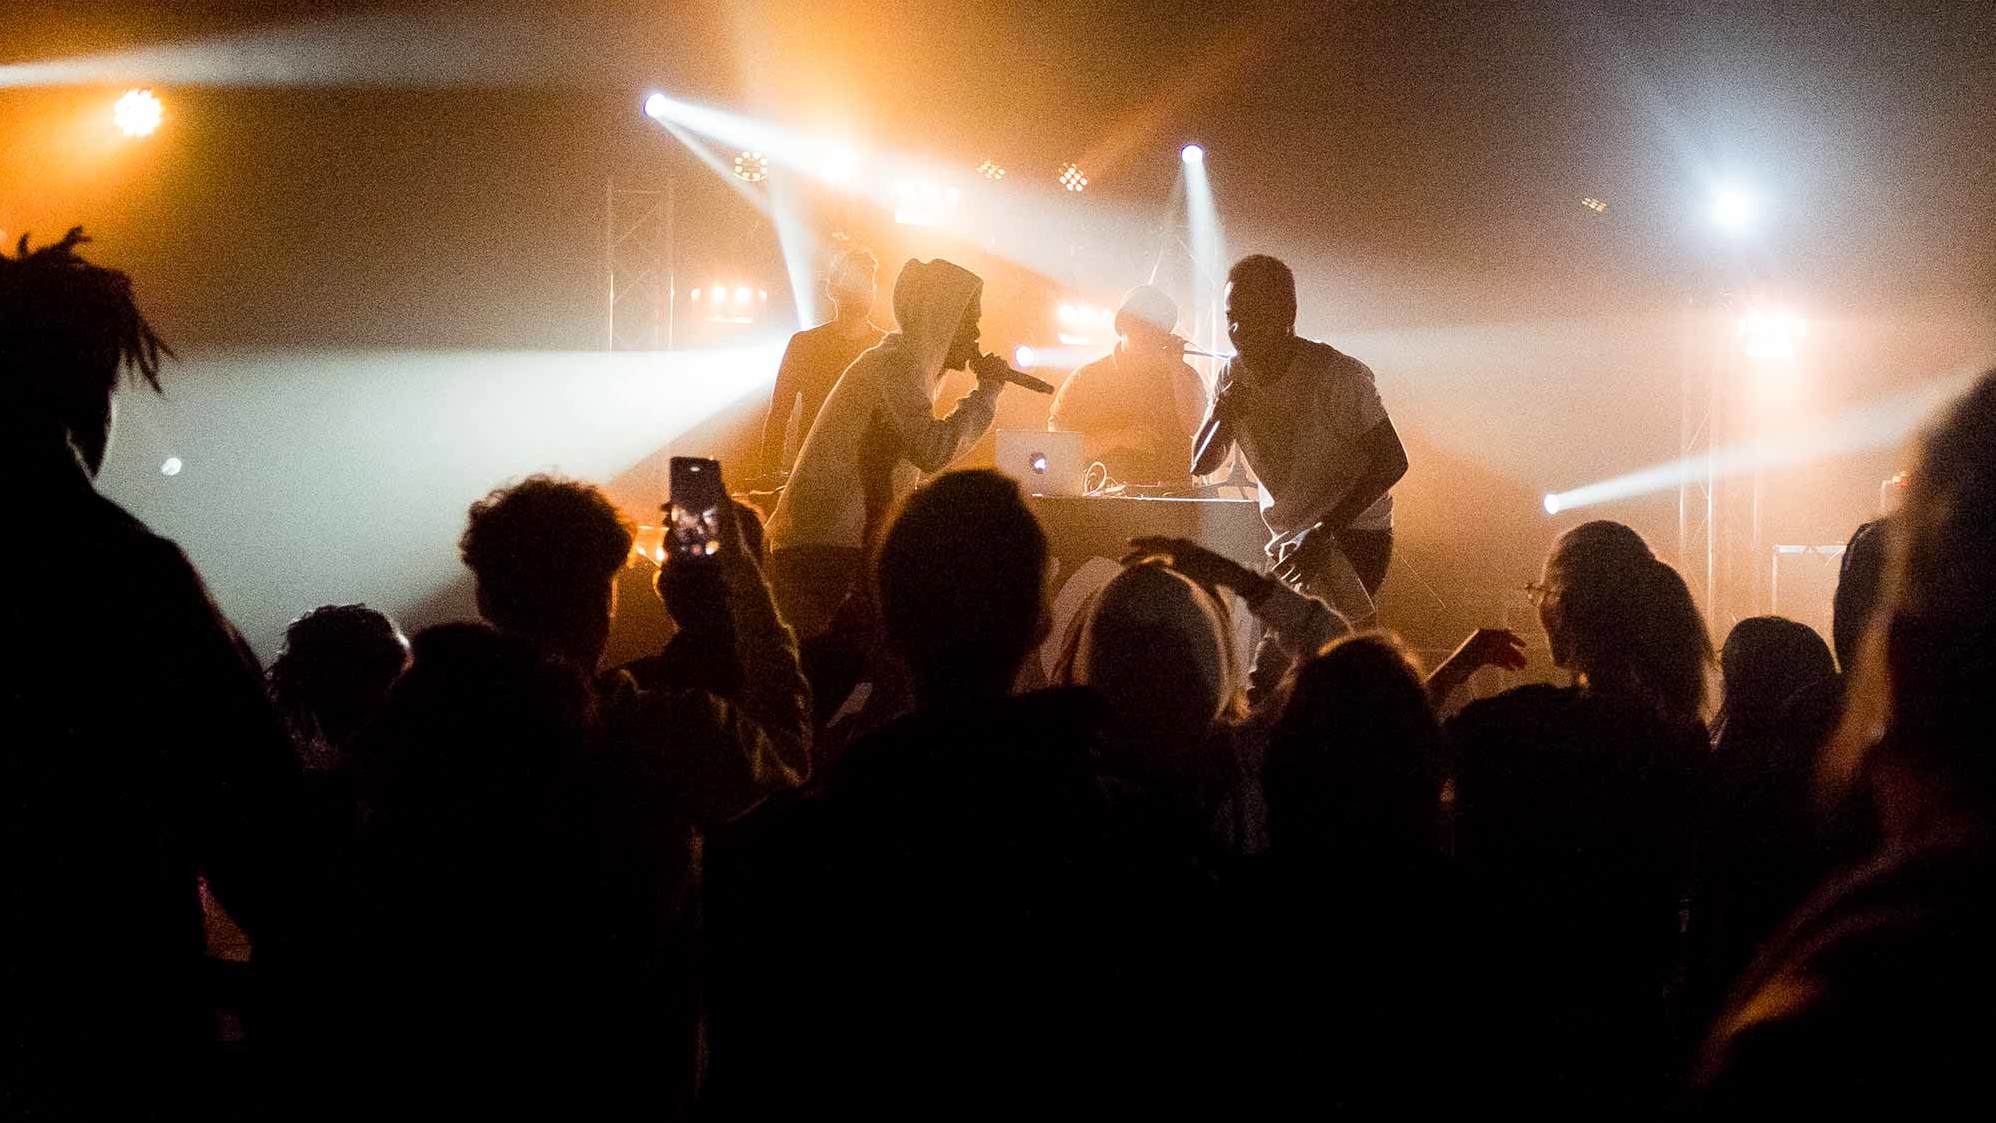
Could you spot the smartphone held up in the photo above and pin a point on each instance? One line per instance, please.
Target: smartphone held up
(694, 511)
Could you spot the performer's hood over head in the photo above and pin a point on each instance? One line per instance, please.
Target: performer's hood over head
(930, 298)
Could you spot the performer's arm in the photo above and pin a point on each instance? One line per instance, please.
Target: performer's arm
(781, 401)
(1386, 462)
(1215, 438)
(928, 443)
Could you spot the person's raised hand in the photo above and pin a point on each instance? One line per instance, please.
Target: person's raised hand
(1202, 565)
(1485, 647)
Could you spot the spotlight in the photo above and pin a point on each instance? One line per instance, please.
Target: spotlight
(838, 163)
(137, 113)
(655, 107)
(696, 294)
(762, 294)
(1552, 503)
(990, 169)
(1733, 209)
(170, 466)
(1192, 154)
(1771, 333)
(742, 294)
(1024, 357)
(1595, 205)
(1071, 178)
(751, 167)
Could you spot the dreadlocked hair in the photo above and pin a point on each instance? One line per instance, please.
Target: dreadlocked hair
(67, 327)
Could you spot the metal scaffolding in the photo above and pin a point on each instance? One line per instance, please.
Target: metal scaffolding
(639, 265)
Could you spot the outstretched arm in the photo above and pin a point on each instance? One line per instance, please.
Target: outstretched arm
(1485, 647)
(719, 757)
(1301, 625)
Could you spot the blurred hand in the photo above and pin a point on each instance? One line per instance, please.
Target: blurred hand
(1490, 647)
(1485, 647)
(1202, 565)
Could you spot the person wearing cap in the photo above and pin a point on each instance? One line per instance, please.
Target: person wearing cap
(1137, 407)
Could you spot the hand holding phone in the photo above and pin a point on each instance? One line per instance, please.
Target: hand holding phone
(698, 511)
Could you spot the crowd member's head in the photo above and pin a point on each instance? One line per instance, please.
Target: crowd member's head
(1860, 578)
(853, 283)
(1931, 656)
(1146, 319)
(1355, 761)
(1623, 621)
(336, 667)
(1261, 308)
(961, 576)
(545, 553)
(1765, 661)
(695, 593)
(476, 728)
(1155, 645)
(67, 329)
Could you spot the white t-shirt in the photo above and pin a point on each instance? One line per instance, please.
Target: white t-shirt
(1301, 436)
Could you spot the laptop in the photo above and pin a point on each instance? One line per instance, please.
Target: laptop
(1044, 463)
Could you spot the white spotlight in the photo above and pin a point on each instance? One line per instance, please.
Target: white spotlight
(1733, 209)
(1552, 503)
(1192, 153)
(1771, 333)
(742, 294)
(1023, 357)
(138, 113)
(655, 107)
(170, 466)
(837, 164)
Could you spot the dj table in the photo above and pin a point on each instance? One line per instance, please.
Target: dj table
(1088, 535)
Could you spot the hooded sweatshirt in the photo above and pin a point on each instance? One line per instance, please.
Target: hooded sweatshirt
(879, 419)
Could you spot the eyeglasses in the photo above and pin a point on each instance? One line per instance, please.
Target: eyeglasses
(1537, 592)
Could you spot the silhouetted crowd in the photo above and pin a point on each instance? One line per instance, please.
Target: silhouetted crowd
(901, 869)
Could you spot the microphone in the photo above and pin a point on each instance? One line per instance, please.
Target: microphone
(998, 370)
(1191, 350)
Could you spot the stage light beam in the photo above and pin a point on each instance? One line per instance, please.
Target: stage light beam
(1879, 424)
(1192, 154)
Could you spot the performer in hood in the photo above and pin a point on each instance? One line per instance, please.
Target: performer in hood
(876, 433)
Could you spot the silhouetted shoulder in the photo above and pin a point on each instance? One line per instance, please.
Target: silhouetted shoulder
(1877, 995)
